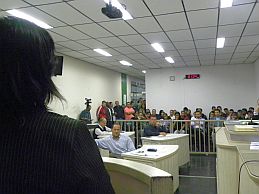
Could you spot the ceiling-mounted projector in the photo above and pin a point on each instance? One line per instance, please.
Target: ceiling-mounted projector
(111, 11)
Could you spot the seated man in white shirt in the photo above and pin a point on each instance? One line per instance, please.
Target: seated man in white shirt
(116, 143)
(101, 129)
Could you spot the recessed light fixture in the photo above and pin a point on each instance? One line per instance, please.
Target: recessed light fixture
(220, 42)
(158, 47)
(126, 63)
(102, 52)
(226, 3)
(169, 59)
(125, 14)
(25, 16)
(144, 71)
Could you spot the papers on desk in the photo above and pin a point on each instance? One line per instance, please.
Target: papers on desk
(143, 153)
(254, 146)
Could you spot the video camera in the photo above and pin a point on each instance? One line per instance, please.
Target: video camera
(88, 101)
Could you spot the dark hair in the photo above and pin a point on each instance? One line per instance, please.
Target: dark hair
(26, 67)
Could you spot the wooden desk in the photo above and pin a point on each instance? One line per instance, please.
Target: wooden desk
(229, 160)
(129, 177)
(172, 139)
(165, 158)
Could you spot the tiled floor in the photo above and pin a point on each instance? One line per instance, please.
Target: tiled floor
(199, 177)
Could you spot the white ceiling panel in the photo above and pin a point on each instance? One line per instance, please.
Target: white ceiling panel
(223, 56)
(206, 51)
(42, 16)
(14, 4)
(73, 45)
(144, 48)
(156, 37)
(247, 48)
(40, 2)
(221, 62)
(238, 61)
(112, 51)
(203, 18)
(112, 41)
(225, 50)
(65, 13)
(60, 48)
(93, 30)
(103, 58)
(189, 52)
(92, 43)
(56, 37)
(167, 46)
(153, 55)
(246, 40)
(207, 62)
(136, 56)
(164, 6)
(91, 8)
(207, 57)
(190, 58)
(240, 55)
(236, 14)
(134, 39)
(74, 54)
(145, 25)
(230, 30)
(184, 45)
(137, 8)
(255, 14)
(175, 21)
(209, 43)
(171, 54)
(126, 50)
(118, 27)
(91, 53)
(254, 54)
(238, 2)
(158, 60)
(200, 4)
(193, 63)
(91, 60)
(252, 29)
(251, 59)
(231, 41)
(204, 33)
(70, 33)
(179, 35)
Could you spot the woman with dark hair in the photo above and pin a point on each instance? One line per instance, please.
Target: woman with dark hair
(41, 152)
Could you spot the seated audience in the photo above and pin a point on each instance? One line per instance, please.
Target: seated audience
(152, 129)
(202, 115)
(41, 151)
(116, 143)
(102, 129)
(234, 116)
(178, 126)
(217, 119)
(153, 114)
(197, 122)
(85, 115)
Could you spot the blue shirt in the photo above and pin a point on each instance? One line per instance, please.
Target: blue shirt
(153, 130)
(116, 146)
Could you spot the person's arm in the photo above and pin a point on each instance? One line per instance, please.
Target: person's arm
(130, 145)
(108, 129)
(87, 169)
(102, 143)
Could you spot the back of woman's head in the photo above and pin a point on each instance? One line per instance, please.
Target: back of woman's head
(26, 55)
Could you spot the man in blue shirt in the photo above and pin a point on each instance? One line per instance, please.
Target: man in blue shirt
(153, 129)
(116, 143)
(85, 115)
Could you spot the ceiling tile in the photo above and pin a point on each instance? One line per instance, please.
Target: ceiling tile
(255, 54)
(166, 6)
(93, 30)
(60, 48)
(251, 59)
(65, 13)
(230, 30)
(207, 57)
(57, 37)
(144, 48)
(91, 8)
(112, 42)
(137, 8)
(203, 18)
(240, 55)
(238, 2)
(145, 25)
(204, 33)
(223, 56)
(190, 58)
(235, 14)
(221, 62)
(91, 60)
(103, 58)
(73, 45)
(112, 51)
(167, 46)
(158, 60)
(207, 51)
(193, 63)
(136, 56)
(184, 45)
(39, 2)
(156, 37)
(152, 55)
(70, 33)
(42, 16)
(207, 62)
(246, 40)
(119, 27)
(200, 4)
(252, 29)
(255, 14)
(170, 53)
(238, 61)
(91, 53)
(133, 39)
(209, 43)
(74, 54)
(175, 21)
(231, 41)
(92, 43)
(190, 52)
(126, 50)
(246, 48)
(179, 35)
(14, 4)
(225, 50)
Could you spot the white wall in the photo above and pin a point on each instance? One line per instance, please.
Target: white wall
(81, 79)
(231, 86)
(257, 77)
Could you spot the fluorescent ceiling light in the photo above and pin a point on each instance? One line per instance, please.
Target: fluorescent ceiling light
(226, 3)
(102, 52)
(169, 59)
(158, 47)
(126, 63)
(125, 14)
(220, 42)
(144, 71)
(25, 16)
